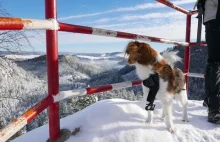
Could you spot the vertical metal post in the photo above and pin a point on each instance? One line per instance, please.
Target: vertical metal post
(187, 49)
(52, 70)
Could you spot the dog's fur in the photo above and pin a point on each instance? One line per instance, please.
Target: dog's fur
(172, 81)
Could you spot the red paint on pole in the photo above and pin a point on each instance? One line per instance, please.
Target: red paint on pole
(98, 89)
(11, 23)
(126, 35)
(52, 70)
(137, 82)
(187, 49)
(38, 108)
(170, 4)
(75, 28)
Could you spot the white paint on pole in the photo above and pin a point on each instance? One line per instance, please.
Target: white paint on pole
(31, 24)
(103, 32)
(121, 85)
(174, 42)
(12, 128)
(66, 94)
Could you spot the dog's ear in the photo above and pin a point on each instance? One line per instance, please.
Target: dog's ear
(132, 47)
(147, 54)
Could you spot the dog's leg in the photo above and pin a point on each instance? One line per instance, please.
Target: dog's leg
(150, 117)
(167, 106)
(150, 113)
(183, 99)
(163, 114)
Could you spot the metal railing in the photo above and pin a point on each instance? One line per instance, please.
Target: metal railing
(52, 26)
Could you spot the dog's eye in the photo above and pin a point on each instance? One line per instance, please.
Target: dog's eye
(126, 53)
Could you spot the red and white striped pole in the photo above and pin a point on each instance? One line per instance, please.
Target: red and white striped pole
(97, 89)
(170, 4)
(7, 23)
(20, 122)
(52, 70)
(91, 90)
(110, 33)
(187, 49)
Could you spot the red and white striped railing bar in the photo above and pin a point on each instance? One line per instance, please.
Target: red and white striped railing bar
(193, 12)
(27, 24)
(198, 75)
(20, 122)
(91, 90)
(52, 24)
(194, 44)
(110, 33)
(171, 5)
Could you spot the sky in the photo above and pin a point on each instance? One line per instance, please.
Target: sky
(146, 17)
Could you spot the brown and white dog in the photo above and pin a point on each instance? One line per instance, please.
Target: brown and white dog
(171, 80)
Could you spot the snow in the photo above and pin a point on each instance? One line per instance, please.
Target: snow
(23, 57)
(102, 56)
(120, 55)
(92, 57)
(118, 120)
(77, 75)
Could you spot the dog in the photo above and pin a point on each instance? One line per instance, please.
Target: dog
(171, 79)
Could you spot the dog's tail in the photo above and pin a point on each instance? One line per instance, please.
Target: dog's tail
(171, 57)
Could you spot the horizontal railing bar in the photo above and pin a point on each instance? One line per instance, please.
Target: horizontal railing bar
(170, 4)
(7, 23)
(91, 90)
(195, 44)
(24, 119)
(110, 33)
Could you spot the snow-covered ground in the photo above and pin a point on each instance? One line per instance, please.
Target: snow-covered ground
(118, 120)
(106, 64)
(21, 57)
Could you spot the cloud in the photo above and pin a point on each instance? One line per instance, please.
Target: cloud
(102, 20)
(173, 15)
(176, 15)
(168, 28)
(126, 9)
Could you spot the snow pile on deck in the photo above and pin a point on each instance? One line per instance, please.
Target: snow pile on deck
(118, 120)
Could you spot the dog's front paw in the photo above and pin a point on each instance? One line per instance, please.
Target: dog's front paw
(149, 120)
(171, 130)
(185, 119)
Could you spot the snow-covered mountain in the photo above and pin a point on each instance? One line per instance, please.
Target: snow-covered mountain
(68, 65)
(118, 120)
(19, 89)
(101, 56)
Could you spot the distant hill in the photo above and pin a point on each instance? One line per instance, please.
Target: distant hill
(19, 90)
(68, 65)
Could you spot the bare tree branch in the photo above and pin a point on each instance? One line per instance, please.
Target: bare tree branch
(15, 41)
